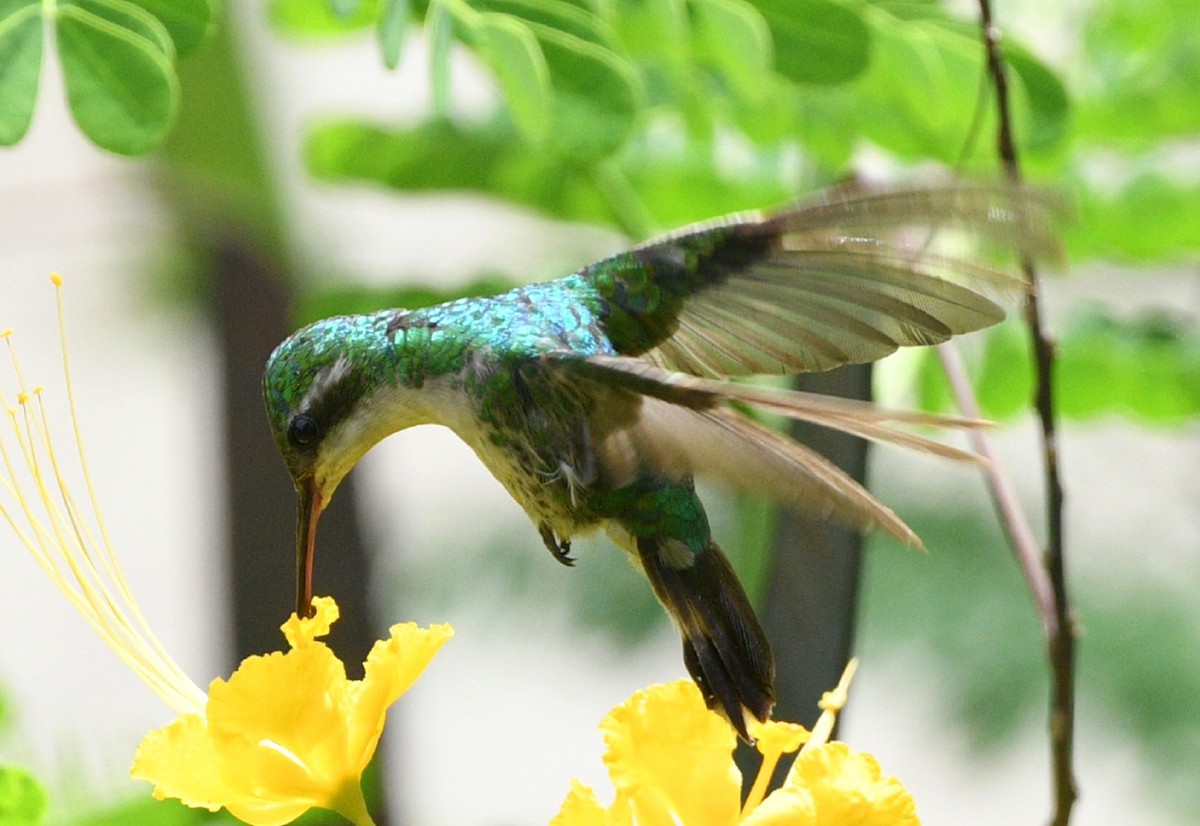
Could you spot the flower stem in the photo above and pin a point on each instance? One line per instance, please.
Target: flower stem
(351, 804)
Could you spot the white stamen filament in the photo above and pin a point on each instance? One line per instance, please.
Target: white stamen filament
(62, 541)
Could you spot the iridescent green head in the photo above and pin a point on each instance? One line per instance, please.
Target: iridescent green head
(331, 393)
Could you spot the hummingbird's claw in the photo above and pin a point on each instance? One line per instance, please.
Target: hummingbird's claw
(561, 551)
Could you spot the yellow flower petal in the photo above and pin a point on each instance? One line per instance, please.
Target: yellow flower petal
(848, 787)
(392, 666)
(789, 806)
(671, 761)
(580, 808)
(288, 731)
(671, 755)
(279, 724)
(182, 763)
(301, 631)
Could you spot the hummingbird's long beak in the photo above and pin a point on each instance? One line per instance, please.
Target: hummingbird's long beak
(310, 506)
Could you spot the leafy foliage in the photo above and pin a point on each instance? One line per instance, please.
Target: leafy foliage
(146, 811)
(22, 799)
(661, 181)
(117, 59)
(736, 104)
(605, 94)
(1150, 219)
(1143, 73)
(1146, 366)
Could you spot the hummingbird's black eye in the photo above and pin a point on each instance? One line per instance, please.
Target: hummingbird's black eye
(303, 431)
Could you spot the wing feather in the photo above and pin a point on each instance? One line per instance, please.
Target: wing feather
(725, 445)
(858, 418)
(847, 279)
(684, 425)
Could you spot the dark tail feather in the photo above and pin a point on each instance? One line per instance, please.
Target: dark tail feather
(724, 647)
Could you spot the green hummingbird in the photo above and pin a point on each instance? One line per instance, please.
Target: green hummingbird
(596, 398)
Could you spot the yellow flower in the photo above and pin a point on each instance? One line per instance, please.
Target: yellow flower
(670, 760)
(286, 732)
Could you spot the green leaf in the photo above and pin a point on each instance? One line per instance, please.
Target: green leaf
(1005, 382)
(567, 88)
(393, 25)
(439, 157)
(189, 22)
(770, 119)
(675, 181)
(440, 32)
(1143, 73)
(146, 811)
(733, 37)
(654, 30)
(121, 84)
(130, 16)
(818, 41)
(1048, 108)
(1089, 374)
(22, 799)
(1164, 375)
(596, 95)
(557, 14)
(681, 182)
(920, 95)
(1150, 219)
(1002, 375)
(345, 9)
(1038, 98)
(1146, 367)
(20, 66)
(932, 388)
(511, 50)
(316, 18)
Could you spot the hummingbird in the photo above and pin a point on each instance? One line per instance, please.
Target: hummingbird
(597, 398)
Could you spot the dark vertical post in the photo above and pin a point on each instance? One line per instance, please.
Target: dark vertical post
(812, 582)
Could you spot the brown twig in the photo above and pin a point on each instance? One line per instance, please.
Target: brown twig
(1057, 619)
(1012, 517)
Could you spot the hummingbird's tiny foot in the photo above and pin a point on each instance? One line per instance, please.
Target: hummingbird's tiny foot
(561, 551)
(564, 554)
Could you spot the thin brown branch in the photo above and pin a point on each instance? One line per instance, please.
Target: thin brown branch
(1012, 516)
(1057, 618)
